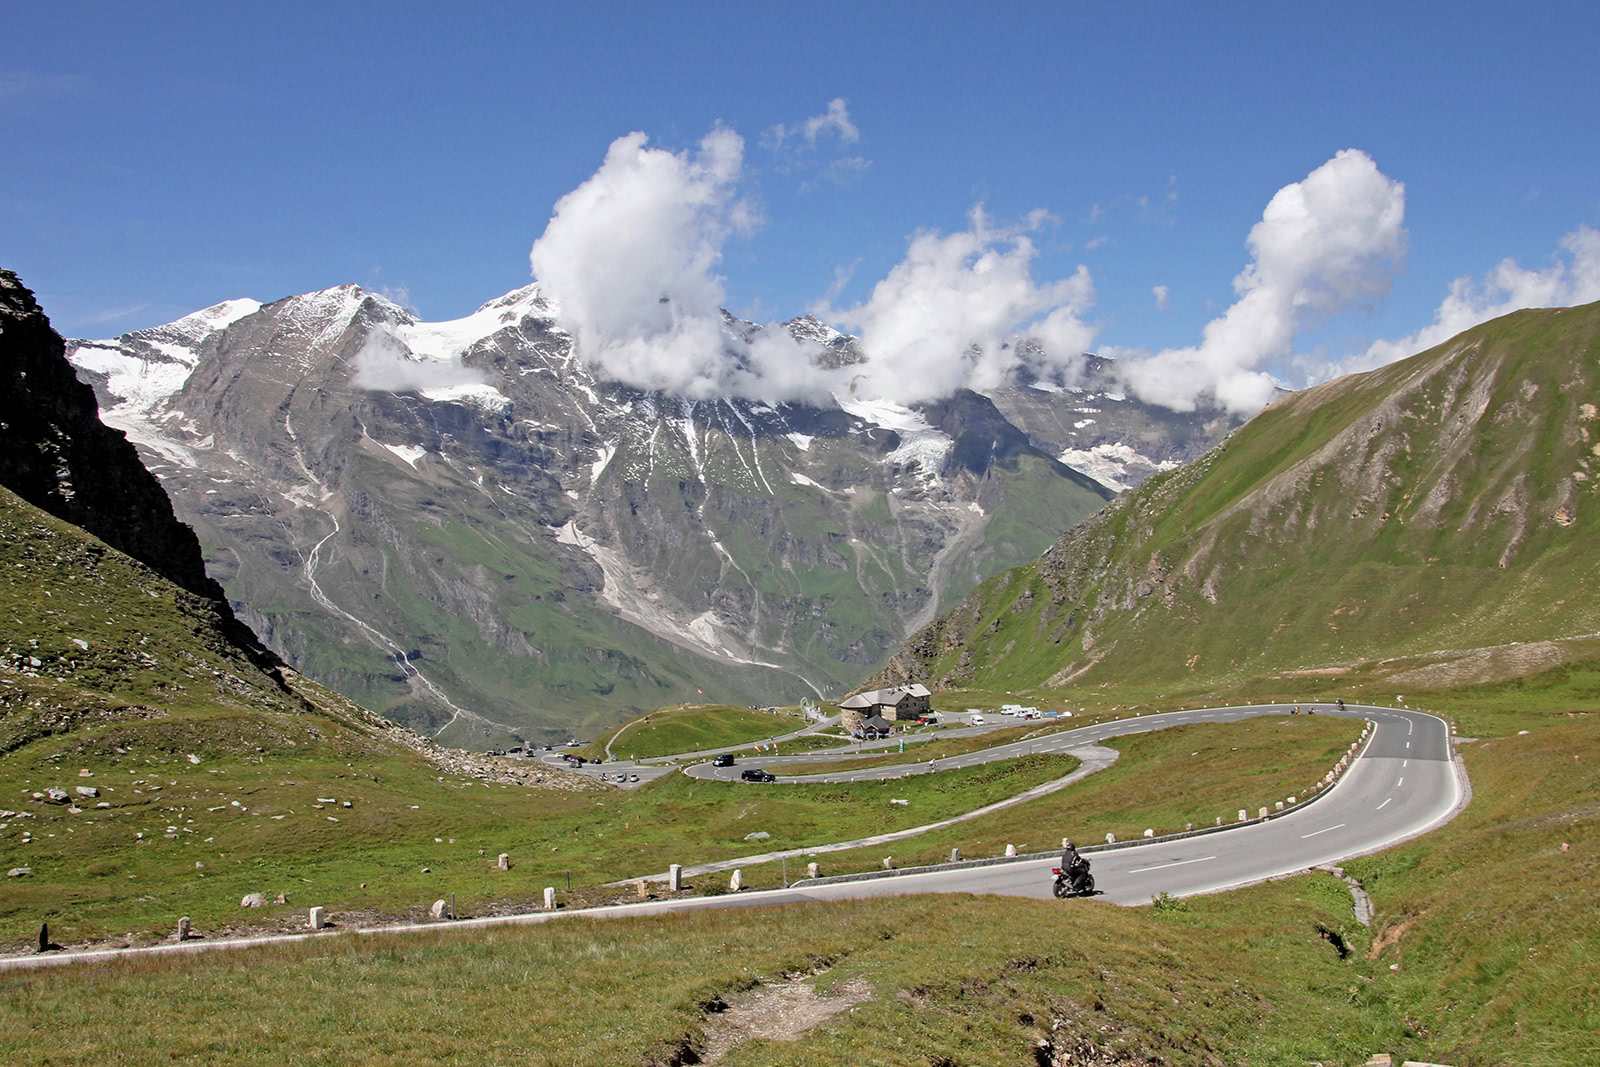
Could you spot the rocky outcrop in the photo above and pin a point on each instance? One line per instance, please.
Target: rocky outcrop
(57, 455)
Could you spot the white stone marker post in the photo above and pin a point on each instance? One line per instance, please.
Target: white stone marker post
(675, 877)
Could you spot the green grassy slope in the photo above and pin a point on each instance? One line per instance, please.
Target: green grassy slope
(1445, 502)
(694, 728)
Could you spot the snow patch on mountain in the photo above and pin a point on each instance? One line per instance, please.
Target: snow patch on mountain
(484, 397)
(802, 441)
(921, 446)
(201, 324)
(324, 316)
(409, 453)
(602, 460)
(884, 413)
(141, 385)
(800, 479)
(446, 342)
(926, 451)
(1112, 464)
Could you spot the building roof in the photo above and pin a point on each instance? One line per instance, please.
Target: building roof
(878, 722)
(891, 697)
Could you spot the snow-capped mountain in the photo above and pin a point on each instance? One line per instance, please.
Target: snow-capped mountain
(459, 525)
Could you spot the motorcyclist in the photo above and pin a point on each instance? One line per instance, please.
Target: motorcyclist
(1072, 864)
(1341, 703)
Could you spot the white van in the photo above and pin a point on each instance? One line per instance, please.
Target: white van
(977, 720)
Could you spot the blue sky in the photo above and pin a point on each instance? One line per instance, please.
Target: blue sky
(164, 157)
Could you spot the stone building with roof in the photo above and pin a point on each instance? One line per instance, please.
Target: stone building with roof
(902, 703)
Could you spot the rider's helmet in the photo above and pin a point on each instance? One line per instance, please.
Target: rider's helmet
(1065, 844)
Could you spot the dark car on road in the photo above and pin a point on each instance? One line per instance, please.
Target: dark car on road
(756, 774)
(723, 760)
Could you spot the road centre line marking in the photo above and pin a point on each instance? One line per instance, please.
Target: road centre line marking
(1324, 830)
(1164, 866)
(1385, 804)
(1404, 764)
(1401, 782)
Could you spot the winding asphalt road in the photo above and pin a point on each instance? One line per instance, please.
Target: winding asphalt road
(1403, 782)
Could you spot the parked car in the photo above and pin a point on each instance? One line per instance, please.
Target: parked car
(621, 778)
(633, 777)
(724, 759)
(756, 774)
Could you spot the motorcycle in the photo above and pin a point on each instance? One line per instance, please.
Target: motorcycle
(1077, 882)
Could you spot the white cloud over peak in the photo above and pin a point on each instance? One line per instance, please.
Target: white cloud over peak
(1325, 243)
(387, 363)
(1162, 296)
(1572, 278)
(630, 257)
(949, 315)
(629, 261)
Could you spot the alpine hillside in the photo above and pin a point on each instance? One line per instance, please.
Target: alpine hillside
(461, 527)
(1441, 511)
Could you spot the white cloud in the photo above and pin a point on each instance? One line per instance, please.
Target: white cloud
(1161, 295)
(629, 260)
(386, 363)
(949, 314)
(840, 172)
(803, 146)
(1323, 244)
(399, 295)
(1572, 278)
(836, 120)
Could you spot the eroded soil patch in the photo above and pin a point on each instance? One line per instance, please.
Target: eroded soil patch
(783, 1012)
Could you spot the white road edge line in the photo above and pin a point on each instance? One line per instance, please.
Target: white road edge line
(1164, 866)
(1324, 830)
